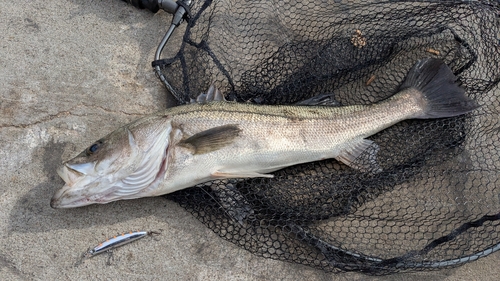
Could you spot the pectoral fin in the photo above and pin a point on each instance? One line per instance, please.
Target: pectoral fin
(361, 155)
(211, 139)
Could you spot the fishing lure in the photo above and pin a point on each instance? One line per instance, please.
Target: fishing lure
(118, 241)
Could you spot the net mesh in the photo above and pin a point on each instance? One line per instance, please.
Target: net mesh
(437, 201)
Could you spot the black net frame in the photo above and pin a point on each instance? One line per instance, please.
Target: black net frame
(436, 203)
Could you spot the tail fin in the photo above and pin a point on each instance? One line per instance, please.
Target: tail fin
(442, 96)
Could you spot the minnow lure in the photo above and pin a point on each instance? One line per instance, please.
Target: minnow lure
(118, 241)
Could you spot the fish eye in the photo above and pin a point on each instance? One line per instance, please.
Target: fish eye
(93, 148)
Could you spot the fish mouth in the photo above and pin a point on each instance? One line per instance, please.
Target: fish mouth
(69, 176)
(67, 197)
(59, 200)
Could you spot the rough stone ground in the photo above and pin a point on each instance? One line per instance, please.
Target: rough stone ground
(70, 72)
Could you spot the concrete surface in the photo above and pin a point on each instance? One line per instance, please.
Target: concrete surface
(70, 72)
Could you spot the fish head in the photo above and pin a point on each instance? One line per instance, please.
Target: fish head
(122, 165)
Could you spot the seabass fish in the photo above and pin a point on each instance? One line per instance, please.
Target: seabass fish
(186, 145)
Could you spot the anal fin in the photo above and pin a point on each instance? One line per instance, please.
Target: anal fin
(361, 155)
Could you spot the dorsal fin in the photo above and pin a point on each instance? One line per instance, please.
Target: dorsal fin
(212, 94)
(320, 100)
